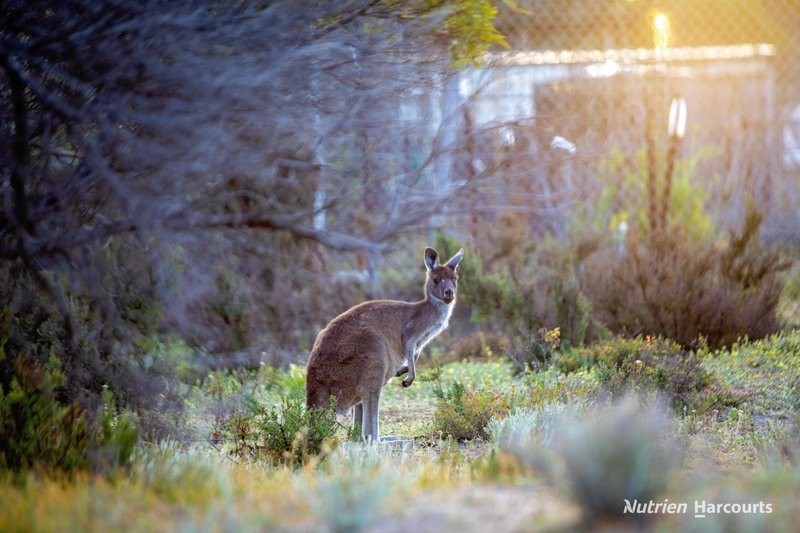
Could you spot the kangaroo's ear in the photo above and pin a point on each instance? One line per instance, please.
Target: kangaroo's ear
(453, 262)
(431, 259)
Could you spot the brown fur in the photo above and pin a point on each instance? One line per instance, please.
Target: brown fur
(360, 350)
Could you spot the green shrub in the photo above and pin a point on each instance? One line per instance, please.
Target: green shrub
(462, 413)
(287, 382)
(538, 351)
(263, 414)
(287, 434)
(93, 324)
(601, 454)
(41, 432)
(626, 196)
(551, 385)
(529, 428)
(767, 369)
(116, 436)
(648, 363)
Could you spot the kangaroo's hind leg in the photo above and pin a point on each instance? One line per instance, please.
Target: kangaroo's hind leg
(369, 424)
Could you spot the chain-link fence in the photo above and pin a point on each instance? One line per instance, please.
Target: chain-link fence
(577, 111)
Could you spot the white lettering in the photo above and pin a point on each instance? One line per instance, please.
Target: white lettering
(629, 507)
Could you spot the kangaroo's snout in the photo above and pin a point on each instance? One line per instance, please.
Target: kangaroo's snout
(449, 294)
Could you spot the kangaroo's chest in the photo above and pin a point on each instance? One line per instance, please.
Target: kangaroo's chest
(433, 329)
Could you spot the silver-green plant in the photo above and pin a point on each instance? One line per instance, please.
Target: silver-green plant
(350, 486)
(183, 474)
(527, 428)
(626, 451)
(530, 433)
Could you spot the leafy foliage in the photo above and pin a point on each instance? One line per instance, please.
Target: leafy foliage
(43, 433)
(463, 413)
(287, 434)
(654, 363)
(469, 28)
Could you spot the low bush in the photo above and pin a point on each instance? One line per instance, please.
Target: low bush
(654, 363)
(287, 434)
(683, 288)
(551, 385)
(43, 433)
(529, 428)
(626, 451)
(462, 413)
(538, 351)
(767, 370)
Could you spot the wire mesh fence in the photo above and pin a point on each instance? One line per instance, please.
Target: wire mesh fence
(577, 111)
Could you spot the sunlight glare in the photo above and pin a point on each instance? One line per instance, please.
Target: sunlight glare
(660, 30)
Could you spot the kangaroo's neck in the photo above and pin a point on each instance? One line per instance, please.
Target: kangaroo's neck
(430, 319)
(437, 309)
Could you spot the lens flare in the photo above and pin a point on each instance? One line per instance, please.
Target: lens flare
(660, 25)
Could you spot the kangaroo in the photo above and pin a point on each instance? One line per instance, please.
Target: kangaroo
(360, 350)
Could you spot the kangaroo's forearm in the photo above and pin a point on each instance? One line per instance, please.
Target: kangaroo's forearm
(403, 369)
(410, 367)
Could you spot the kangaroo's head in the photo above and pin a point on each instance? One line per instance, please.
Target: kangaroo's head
(442, 280)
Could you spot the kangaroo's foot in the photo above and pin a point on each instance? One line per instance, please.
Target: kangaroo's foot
(395, 439)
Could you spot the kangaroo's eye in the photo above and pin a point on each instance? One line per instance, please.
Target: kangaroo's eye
(436, 281)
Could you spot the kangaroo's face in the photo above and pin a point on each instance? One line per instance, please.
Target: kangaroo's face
(442, 281)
